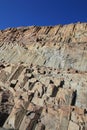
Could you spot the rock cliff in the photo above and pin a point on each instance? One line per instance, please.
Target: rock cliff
(43, 78)
(60, 47)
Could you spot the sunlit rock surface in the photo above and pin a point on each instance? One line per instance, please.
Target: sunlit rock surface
(43, 78)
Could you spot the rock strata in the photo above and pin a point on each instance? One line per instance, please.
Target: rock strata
(62, 47)
(43, 78)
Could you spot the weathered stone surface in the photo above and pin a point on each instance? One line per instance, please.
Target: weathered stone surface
(43, 80)
(44, 101)
(58, 47)
(73, 126)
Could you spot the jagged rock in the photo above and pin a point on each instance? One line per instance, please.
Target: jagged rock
(53, 93)
(13, 83)
(54, 47)
(43, 80)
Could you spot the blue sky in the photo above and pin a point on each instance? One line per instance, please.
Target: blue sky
(15, 13)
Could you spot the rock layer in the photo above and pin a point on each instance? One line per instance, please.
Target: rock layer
(43, 78)
(60, 47)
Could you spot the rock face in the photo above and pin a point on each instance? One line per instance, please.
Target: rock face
(43, 78)
(60, 47)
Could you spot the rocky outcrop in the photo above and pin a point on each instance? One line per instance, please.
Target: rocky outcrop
(42, 98)
(62, 47)
(43, 78)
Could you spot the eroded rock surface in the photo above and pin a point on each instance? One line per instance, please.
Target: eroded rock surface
(43, 78)
(57, 46)
(42, 98)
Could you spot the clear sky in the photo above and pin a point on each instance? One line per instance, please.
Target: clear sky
(15, 13)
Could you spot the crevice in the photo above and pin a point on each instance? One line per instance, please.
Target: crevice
(55, 90)
(61, 84)
(3, 118)
(34, 121)
(74, 95)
